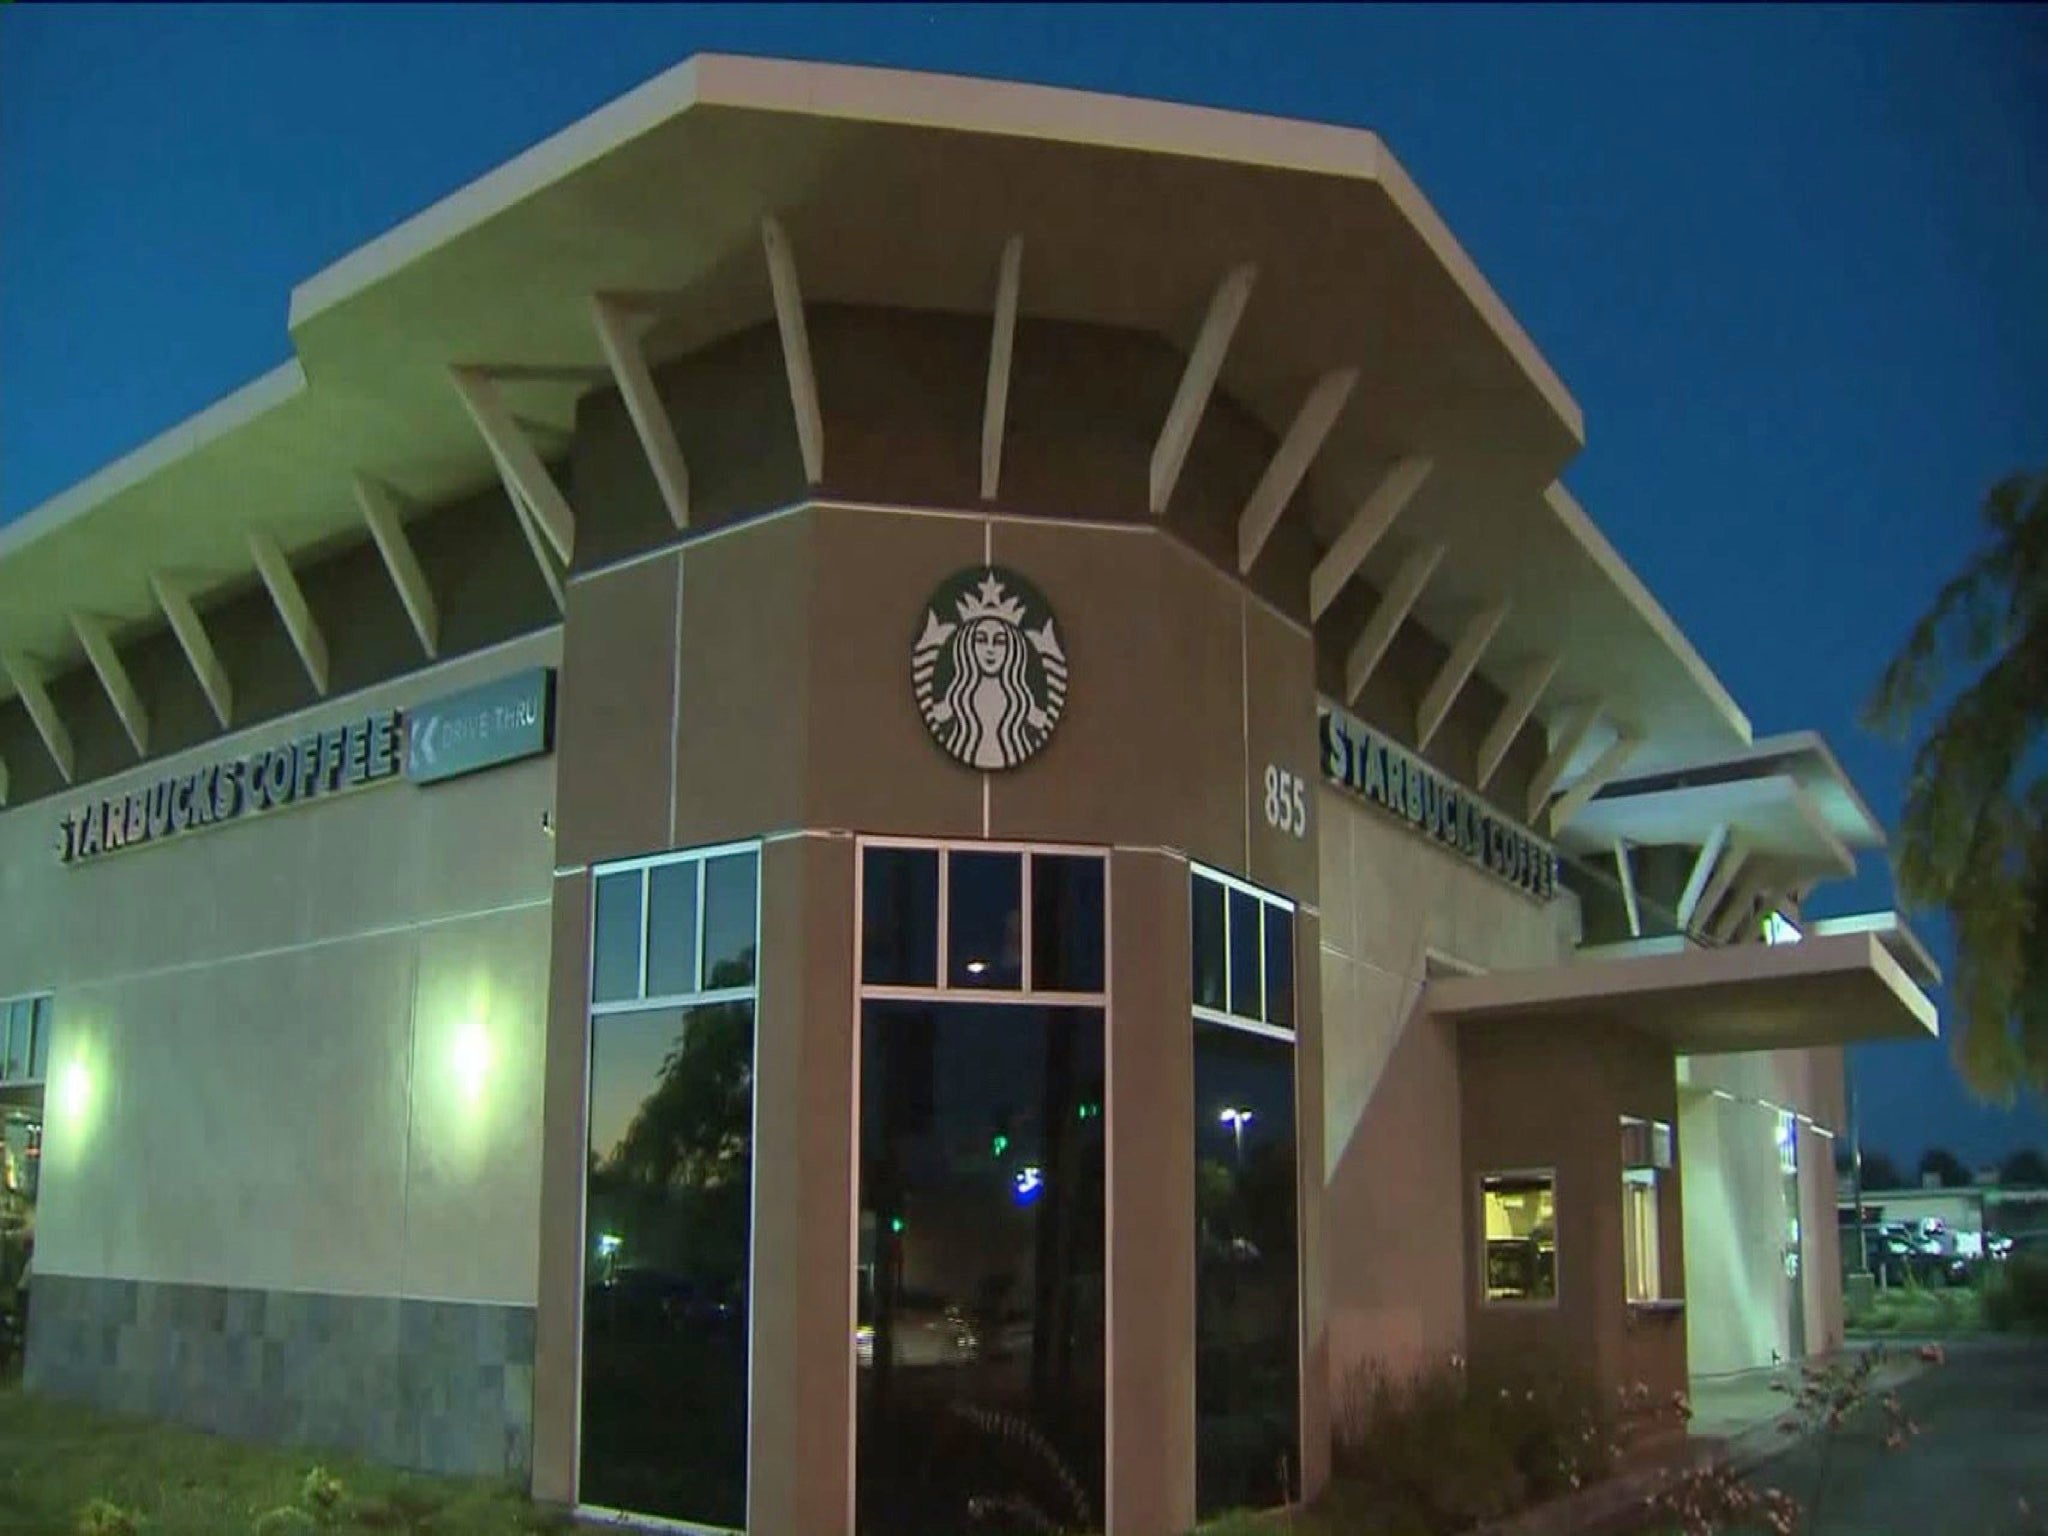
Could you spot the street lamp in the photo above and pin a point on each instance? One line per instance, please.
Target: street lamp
(1237, 1119)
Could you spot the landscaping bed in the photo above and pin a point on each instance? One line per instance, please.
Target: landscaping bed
(68, 1471)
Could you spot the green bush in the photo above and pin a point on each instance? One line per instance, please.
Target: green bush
(287, 1520)
(2017, 1297)
(1448, 1448)
(103, 1517)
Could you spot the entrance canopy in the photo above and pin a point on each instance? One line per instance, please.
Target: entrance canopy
(1830, 989)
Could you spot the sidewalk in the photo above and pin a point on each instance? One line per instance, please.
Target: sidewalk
(1745, 1411)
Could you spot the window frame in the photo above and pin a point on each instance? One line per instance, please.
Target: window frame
(1224, 1016)
(32, 1079)
(865, 992)
(1652, 1256)
(1521, 1303)
(669, 1002)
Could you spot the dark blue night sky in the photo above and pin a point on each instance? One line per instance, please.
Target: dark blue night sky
(1789, 261)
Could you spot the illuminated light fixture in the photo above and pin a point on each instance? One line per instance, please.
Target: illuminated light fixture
(1088, 1110)
(1029, 1183)
(470, 1056)
(897, 1224)
(1723, 1093)
(998, 1144)
(609, 1243)
(976, 967)
(74, 1093)
(1237, 1119)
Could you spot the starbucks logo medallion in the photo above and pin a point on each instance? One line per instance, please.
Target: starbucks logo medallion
(988, 669)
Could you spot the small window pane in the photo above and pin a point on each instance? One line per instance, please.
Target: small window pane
(672, 929)
(900, 917)
(985, 927)
(14, 1030)
(1244, 955)
(1208, 944)
(1066, 923)
(39, 1052)
(615, 968)
(1280, 967)
(731, 914)
(1519, 1212)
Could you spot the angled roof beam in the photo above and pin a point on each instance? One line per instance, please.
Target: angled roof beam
(1593, 780)
(618, 335)
(1375, 515)
(1284, 471)
(1002, 343)
(517, 460)
(1514, 714)
(1457, 669)
(1725, 873)
(291, 606)
(198, 648)
(1738, 909)
(35, 698)
(380, 511)
(113, 676)
(1395, 603)
(796, 349)
(1197, 381)
(522, 514)
(1571, 734)
(1625, 868)
(1702, 868)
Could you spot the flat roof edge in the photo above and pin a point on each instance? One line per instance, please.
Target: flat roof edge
(591, 136)
(233, 411)
(1639, 596)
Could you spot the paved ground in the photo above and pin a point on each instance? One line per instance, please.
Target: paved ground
(1983, 1448)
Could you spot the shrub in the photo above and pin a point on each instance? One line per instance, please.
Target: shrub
(2018, 1297)
(103, 1517)
(1447, 1448)
(321, 1491)
(286, 1520)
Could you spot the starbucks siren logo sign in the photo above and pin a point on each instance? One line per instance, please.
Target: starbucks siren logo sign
(988, 669)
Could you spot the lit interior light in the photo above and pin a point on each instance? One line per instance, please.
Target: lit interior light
(608, 1244)
(896, 1224)
(1029, 1183)
(976, 967)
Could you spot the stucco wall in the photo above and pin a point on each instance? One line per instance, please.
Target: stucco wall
(1392, 1151)
(299, 1052)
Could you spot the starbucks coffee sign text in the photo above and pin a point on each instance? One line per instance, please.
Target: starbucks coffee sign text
(1357, 758)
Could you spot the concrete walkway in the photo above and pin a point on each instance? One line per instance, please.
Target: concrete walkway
(1746, 1410)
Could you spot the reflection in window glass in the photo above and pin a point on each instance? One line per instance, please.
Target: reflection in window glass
(1066, 923)
(672, 929)
(1519, 1213)
(900, 917)
(985, 920)
(39, 1052)
(21, 1153)
(1247, 1337)
(1280, 967)
(14, 1041)
(1207, 898)
(1245, 945)
(615, 956)
(666, 1263)
(730, 917)
(981, 1298)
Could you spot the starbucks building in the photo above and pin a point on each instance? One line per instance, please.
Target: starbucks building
(868, 795)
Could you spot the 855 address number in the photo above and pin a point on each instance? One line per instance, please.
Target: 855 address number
(1286, 801)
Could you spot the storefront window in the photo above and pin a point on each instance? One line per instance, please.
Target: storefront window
(1519, 1218)
(24, 1039)
(981, 1301)
(667, 1223)
(1247, 1293)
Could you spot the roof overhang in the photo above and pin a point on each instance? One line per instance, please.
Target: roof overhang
(1829, 990)
(1801, 758)
(1781, 824)
(1890, 930)
(903, 189)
